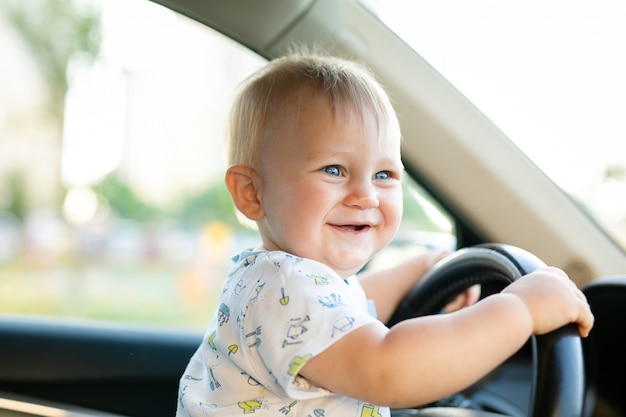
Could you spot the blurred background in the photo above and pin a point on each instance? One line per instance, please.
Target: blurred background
(112, 118)
(112, 203)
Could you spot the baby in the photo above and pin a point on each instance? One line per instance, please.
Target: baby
(315, 162)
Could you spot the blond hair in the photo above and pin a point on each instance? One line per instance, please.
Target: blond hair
(264, 99)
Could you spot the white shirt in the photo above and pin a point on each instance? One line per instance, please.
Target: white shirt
(276, 311)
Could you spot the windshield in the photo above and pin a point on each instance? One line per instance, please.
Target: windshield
(548, 74)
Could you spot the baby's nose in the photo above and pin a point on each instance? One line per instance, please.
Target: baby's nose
(363, 194)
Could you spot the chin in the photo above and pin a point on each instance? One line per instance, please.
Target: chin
(346, 269)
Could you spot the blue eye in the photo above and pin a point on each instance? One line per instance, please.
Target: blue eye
(382, 175)
(333, 170)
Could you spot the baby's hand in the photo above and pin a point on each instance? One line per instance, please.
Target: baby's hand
(552, 300)
(465, 299)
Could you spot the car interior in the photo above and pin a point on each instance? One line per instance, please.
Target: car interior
(499, 200)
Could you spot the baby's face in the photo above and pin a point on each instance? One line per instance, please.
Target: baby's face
(330, 189)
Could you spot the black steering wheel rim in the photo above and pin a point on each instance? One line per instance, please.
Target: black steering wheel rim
(558, 368)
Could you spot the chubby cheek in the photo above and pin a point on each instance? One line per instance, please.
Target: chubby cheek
(302, 197)
(391, 209)
(309, 205)
(293, 212)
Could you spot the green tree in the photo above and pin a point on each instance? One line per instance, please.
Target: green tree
(123, 200)
(214, 203)
(17, 196)
(615, 172)
(55, 31)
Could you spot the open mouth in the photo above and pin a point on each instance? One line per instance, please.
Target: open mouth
(355, 227)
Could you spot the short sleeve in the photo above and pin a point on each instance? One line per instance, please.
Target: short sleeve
(298, 313)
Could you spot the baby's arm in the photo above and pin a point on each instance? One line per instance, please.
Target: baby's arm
(388, 287)
(428, 358)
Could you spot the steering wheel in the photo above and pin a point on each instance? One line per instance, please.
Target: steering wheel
(558, 370)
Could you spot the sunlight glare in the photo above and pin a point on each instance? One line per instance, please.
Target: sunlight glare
(80, 205)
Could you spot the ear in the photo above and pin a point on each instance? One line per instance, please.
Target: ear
(241, 182)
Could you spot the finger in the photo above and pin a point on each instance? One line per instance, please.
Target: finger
(472, 294)
(455, 304)
(585, 326)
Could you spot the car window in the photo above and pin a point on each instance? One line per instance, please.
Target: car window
(112, 202)
(548, 74)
